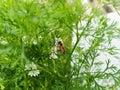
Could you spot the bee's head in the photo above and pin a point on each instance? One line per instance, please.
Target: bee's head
(59, 42)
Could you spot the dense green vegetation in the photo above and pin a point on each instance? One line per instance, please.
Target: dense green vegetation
(28, 32)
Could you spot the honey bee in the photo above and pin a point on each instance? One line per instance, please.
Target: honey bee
(60, 46)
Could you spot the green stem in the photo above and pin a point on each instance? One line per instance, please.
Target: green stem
(78, 39)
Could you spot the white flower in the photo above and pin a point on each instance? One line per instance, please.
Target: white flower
(25, 39)
(54, 53)
(53, 56)
(34, 73)
(32, 69)
(54, 50)
(33, 66)
(27, 67)
(39, 37)
(34, 41)
(4, 42)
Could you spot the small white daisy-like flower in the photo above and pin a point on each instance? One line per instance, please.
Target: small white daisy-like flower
(32, 68)
(53, 56)
(27, 67)
(25, 39)
(4, 42)
(34, 73)
(39, 37)
(34, 41)
(54, 53)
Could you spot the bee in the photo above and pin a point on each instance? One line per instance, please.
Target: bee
(60, 46)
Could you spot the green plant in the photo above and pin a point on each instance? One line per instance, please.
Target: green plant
(27, 40)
